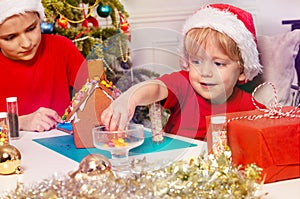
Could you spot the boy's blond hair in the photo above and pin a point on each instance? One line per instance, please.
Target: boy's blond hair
(196, 38)
(234, 22)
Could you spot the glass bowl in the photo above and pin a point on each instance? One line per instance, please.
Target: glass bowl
(118, 143)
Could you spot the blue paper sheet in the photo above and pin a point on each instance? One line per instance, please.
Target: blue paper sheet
(64, 145)
(67, 126)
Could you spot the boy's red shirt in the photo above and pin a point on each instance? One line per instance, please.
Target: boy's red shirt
(189, 110)
(43, 81)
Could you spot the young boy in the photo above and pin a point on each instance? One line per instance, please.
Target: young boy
(219, 50)
(37, 69)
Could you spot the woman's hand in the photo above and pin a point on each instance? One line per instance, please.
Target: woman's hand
(43, 119)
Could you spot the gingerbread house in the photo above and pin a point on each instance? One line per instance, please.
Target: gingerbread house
(87, 104)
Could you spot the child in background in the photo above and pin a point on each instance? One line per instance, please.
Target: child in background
(37, 69)
(220, 52)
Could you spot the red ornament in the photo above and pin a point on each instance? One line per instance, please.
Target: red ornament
(90, 21)
(124, 25)
(63, 22)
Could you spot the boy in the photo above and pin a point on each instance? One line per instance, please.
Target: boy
(219, 51)
(37, 69)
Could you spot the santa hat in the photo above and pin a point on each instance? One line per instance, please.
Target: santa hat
(235, 23)
(9, 8)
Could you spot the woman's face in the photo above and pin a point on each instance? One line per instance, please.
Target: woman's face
(213, 74)
(20, 36)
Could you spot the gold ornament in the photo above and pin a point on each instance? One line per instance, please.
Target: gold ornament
(10, 160)
(93, 165)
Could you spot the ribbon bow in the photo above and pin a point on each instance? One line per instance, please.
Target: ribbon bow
(275, 111)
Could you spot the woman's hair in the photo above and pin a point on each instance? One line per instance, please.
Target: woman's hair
(197, 37)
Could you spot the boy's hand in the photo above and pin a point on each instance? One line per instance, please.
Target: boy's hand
(43, 119)
(119, 113)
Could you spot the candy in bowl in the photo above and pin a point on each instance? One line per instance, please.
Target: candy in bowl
(118, 143)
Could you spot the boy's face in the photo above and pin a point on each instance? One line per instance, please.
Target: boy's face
(213, 74)
(20, 36)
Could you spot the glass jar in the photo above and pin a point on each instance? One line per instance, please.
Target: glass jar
(13, 117)
(4, 130)
(218, 128)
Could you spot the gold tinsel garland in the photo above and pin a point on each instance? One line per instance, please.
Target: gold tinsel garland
(202, 177)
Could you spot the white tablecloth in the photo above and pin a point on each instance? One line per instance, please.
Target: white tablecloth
(41, 163)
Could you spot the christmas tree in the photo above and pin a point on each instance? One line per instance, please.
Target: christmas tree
(99, 28)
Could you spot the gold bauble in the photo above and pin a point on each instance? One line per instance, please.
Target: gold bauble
(93, 165)
(10, 160)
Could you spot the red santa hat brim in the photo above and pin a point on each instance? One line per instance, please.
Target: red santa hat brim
(237, 24)
(10, 8)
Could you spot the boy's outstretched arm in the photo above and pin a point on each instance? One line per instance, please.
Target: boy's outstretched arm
(121, 110)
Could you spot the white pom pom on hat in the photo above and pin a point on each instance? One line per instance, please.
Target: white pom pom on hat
(234, 22)
(9, 8)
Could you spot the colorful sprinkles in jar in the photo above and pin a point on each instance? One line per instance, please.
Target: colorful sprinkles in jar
(4, 137)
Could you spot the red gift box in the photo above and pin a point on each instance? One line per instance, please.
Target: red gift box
(272, 143)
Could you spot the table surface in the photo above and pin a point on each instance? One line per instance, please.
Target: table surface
(41, 163)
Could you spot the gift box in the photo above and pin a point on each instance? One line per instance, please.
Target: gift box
(271, 141)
